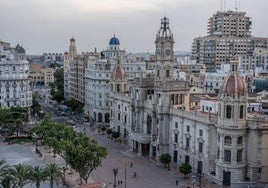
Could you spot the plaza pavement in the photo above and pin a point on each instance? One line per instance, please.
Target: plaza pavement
(150, 174)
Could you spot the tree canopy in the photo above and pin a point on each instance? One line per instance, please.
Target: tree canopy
(185, 169)
(82, 153)
(165, 159)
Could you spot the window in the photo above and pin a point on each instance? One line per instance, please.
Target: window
(167, 73)
(200, 147)
(239, 156)
(187, 142)
(228, 140)
(218, 153)
(239, 140)
(118, 116)
(188, 128)
(227, 155)
(118, 107)
(176, 125)
(125, 119)
(228, 111)
(241, 112)
(175, 137)
(200, 132)
(158, 73)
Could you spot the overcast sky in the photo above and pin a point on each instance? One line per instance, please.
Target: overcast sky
(47, 25)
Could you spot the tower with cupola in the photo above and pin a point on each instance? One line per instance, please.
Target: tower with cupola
(164, 53)
(232, 134)
(72, 49)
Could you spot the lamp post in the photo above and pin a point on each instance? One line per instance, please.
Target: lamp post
(115, 170)
(200, 175)
(64, 169)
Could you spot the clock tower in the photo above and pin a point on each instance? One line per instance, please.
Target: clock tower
(164, 53)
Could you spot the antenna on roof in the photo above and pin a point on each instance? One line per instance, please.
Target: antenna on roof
(236, 6)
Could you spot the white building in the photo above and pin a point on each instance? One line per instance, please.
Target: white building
(15, 89)
(98, 76)
(220, 139)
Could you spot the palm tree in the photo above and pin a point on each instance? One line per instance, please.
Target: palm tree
(5, 178)
(37, 175)
(54, 173)
(21, 174)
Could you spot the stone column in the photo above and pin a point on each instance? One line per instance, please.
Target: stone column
(140, 149)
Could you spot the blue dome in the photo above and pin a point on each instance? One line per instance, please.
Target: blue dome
(114, 41)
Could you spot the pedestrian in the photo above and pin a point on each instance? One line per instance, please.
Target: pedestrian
(119, 182)
(177, 182)
(130, 165)
(134, 174)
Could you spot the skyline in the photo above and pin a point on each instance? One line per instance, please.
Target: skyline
(47, 26)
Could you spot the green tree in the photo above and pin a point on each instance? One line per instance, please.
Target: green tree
(185, 169)
(6, 181)
(57, 88)
(37, 175)
(21, 174)
(115, 135)
(165, 159)
(54, 174)
(103, 129)
(84, 155)
(109, 132)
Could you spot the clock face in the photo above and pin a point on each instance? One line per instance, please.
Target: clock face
(168, 52)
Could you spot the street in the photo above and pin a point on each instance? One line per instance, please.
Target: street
(149, 174)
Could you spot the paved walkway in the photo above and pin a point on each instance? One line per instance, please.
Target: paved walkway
(149, 173)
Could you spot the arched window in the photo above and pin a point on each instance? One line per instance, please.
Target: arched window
(107, 118)
(228, 111)
(239, 140)
(118, 116)
(100, 117)
(241, 112)
(149, 124)
(227, 140)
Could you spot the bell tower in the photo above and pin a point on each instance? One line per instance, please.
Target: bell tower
(164, 53)
(72, 49)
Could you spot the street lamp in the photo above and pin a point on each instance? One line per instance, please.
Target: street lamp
(64, 169)
(200, 175)
(115, 170)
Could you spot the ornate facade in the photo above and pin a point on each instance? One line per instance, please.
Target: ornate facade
(228, 146)
(15, 88)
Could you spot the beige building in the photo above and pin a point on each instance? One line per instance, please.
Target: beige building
(41, 75)
(74, 73)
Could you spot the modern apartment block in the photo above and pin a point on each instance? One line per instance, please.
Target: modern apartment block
(15, 89)
(229, 34)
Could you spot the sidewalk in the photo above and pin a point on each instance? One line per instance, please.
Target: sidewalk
(184, 183)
